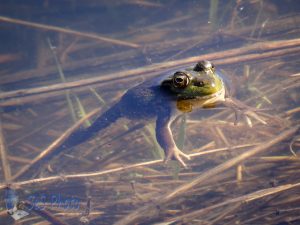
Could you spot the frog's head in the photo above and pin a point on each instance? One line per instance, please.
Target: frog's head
(202, 81)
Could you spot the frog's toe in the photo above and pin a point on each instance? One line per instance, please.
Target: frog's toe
(248, 116)
(255, 116)
(177, 154)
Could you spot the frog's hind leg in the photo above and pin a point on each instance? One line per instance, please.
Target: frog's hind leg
(76, 138)
(102, 122)
(242, 110)
(165, 139)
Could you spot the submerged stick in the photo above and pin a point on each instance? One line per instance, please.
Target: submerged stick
(45, 214)
(238, 200)
(151, 211)
(68, 31)
(118, 169)
(221, 58)
(55, 144)
(3, 155)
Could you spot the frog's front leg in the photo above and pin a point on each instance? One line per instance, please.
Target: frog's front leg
(165, 139)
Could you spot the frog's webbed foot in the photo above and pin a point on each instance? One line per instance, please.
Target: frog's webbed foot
(177, 154)
(165, 139)
(242, 110)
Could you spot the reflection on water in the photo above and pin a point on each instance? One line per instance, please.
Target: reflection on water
(59, 62)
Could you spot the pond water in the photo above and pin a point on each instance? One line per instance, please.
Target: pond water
(64, 63)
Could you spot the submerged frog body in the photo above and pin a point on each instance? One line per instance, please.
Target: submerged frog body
(163, 99)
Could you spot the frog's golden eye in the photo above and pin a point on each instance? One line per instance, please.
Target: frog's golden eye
(204, 66)
(181, 80)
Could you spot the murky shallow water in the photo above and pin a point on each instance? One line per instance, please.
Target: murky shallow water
(99, 182)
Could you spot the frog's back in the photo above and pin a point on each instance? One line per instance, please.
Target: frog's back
(146, 100)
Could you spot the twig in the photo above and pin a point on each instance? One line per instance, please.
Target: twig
(56, 143)
(150, 211)
(224, 58)
(118, 169)
(45, 214)
(4, 58)
(4, 158)
(68, 31)
(242, 199)
(83, 175)
(228, 211)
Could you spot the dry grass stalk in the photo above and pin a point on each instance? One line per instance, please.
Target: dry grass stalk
(4, 156)
(150, 211)
(220, 58)
(67, 31)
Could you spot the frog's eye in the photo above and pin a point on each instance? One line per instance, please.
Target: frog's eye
(181, 80)
(204, 66)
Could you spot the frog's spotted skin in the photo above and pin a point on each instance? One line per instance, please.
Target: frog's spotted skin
(160, 99)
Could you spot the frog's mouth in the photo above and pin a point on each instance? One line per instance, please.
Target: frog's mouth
(213, 98)
(187, 104)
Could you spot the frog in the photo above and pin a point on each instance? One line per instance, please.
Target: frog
(162, 99)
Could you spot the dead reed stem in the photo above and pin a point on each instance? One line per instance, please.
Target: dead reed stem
(223, 56)
(4, 158)
(239, 200)
(118, 169)
(67, 31)
(45, 214)
(55, 144)
(150, 211)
